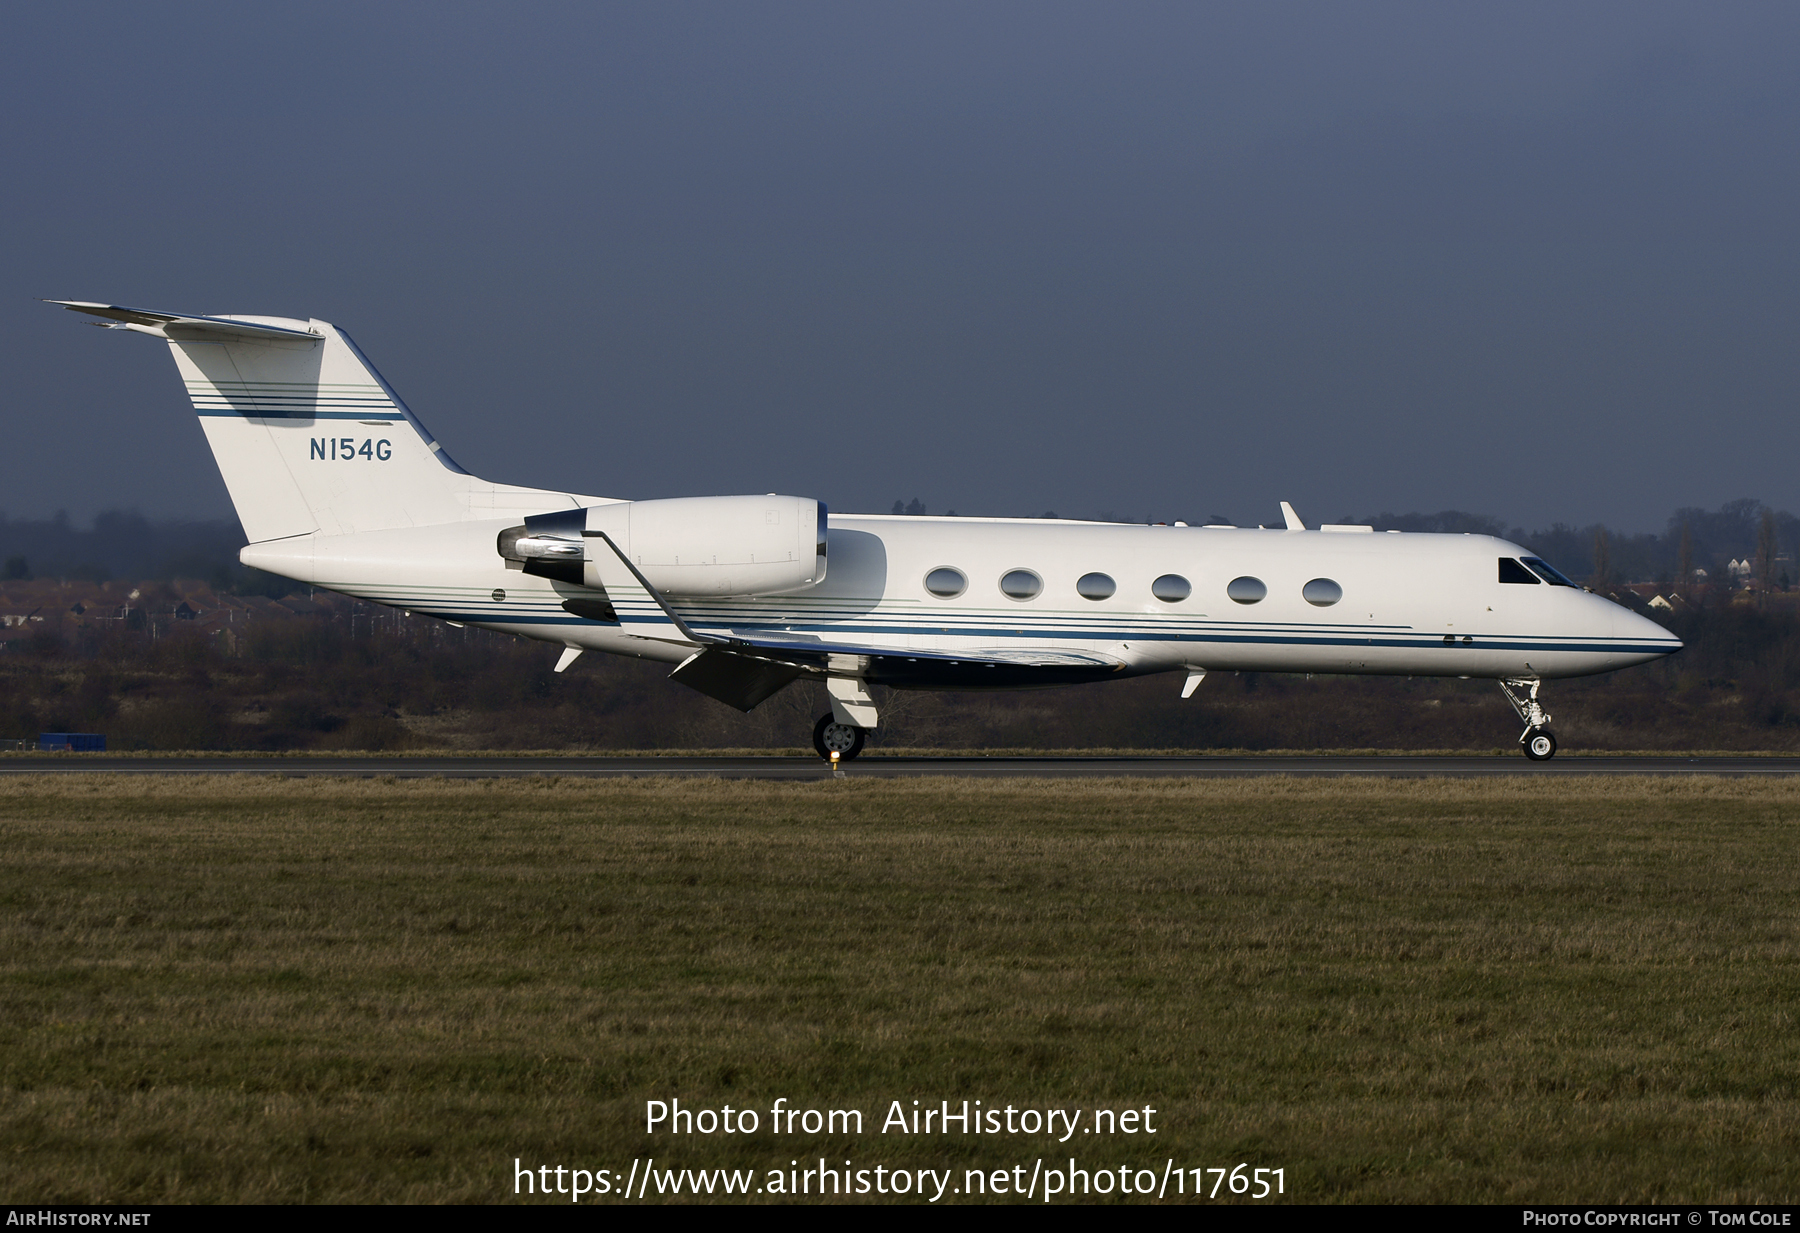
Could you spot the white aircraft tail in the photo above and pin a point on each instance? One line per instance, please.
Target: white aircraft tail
(306, 433)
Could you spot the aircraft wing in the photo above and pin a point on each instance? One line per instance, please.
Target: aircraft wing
(741, 671)
(812, 653)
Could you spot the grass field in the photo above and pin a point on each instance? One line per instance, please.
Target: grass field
(255, 989)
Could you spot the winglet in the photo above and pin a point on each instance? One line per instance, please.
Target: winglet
(1293, 519)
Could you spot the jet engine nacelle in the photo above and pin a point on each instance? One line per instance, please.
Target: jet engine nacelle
(685, 546)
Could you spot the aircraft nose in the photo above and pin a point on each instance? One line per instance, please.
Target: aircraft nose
(1641, 630)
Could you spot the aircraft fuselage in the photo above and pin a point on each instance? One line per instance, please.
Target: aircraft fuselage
(1411, 604)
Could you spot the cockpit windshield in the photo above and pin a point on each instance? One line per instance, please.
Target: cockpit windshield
(1545, 572)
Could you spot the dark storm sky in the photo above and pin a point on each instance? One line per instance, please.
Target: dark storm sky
(1537, 261)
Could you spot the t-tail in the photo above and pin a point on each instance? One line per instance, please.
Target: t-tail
(308, 436)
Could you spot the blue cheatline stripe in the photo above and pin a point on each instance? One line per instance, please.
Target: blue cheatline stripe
(1162, 632)
(508, 616)
(637, 611)
(912, 622)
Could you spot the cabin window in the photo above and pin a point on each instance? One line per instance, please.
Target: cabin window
(1020, 584)
(1246, 590)
(946, 583)
(1095, 586)
(1321, 592)
(1171, 588)
(1512, 571)
(1546, 572)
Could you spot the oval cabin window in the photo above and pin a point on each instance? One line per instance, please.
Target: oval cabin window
(1321, 592)
(946, 583)
(1246, 590)
(1171, 588)
(1095, 586)
(1020, 584)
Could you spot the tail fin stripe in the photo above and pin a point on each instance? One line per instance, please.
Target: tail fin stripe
(290, 399)
(287, 413)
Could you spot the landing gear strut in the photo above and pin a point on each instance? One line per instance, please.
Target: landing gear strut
(1537, 740)
(830, 736)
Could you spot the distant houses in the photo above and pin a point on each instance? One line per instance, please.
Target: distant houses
(190, 607)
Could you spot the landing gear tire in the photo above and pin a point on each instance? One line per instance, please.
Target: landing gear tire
(830, 736)
(1522, 693)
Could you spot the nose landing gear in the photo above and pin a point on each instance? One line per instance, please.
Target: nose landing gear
(1537, 740)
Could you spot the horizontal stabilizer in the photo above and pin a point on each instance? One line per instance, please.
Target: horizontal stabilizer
(183, 325)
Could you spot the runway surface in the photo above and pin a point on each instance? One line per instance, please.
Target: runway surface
(894, 768)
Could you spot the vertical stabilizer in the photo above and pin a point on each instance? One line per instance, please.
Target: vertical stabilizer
(308, 436)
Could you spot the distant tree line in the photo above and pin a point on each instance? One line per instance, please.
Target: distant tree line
(363, 677)
(370, 678)
(1743, 530)
(1693, 539)
(128, 545)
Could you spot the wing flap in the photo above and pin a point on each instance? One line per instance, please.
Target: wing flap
(736, 680)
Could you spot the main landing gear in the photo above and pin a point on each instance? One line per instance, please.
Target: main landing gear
(1537, 740)
(830, 736)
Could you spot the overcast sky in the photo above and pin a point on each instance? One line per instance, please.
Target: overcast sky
(1539, 261)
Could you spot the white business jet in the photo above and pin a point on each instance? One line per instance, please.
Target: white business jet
(339, 485)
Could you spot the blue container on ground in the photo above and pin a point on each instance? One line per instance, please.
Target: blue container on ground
(71, 742)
